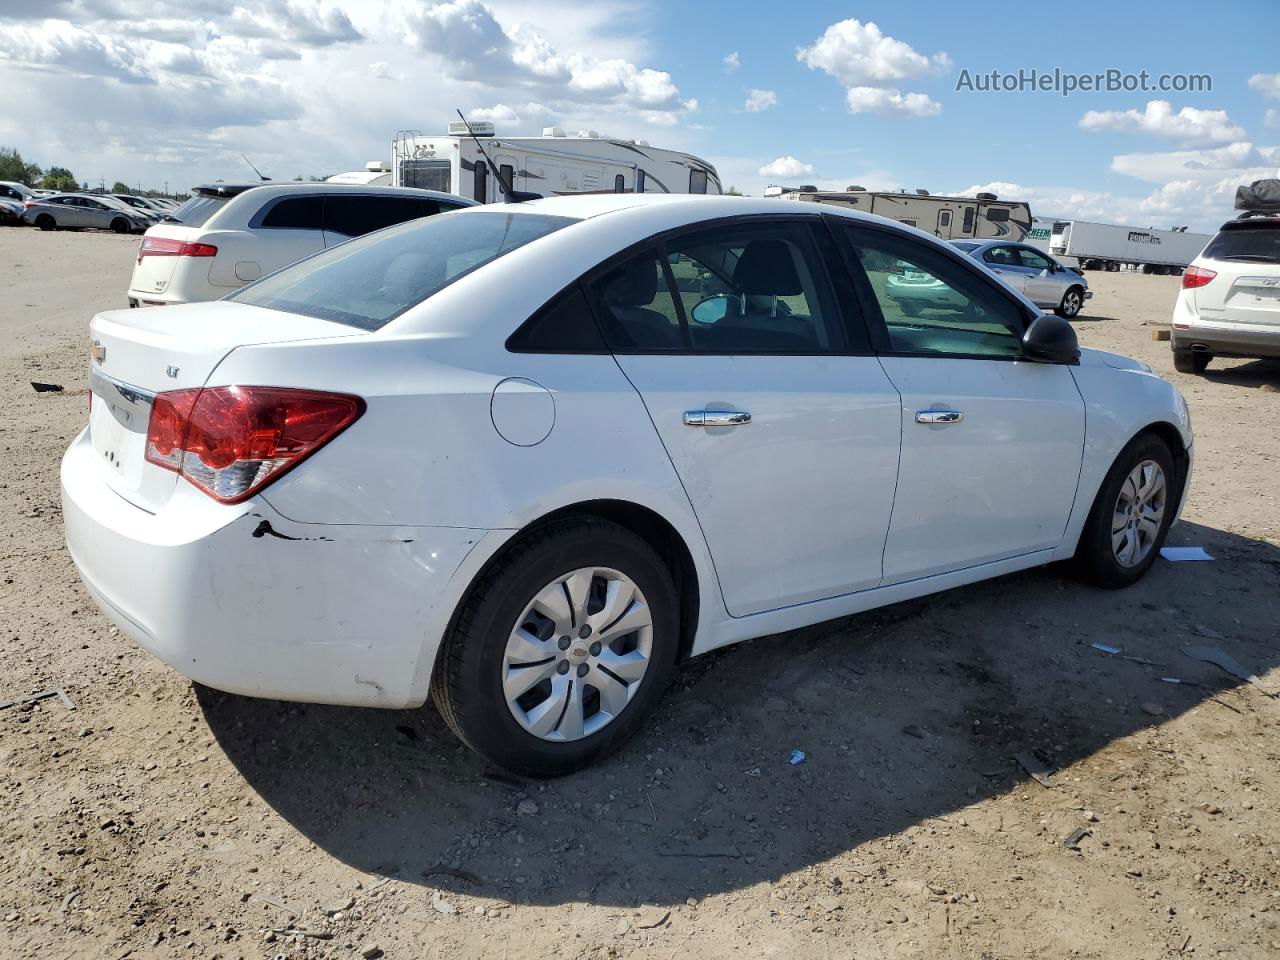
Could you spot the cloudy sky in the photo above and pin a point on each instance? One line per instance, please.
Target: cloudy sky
(829, 93)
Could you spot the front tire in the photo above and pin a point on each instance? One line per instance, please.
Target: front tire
(561, 649)
(1130, 516)
(1191, 361)
(1072, 302)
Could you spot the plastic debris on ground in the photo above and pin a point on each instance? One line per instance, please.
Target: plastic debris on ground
(1184, 554)
(797, 757)
(1220, 658)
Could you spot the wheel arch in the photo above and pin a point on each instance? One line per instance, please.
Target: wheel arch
(1172, 438)
(646, 523)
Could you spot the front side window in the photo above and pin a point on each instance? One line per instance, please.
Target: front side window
(294, 213)
(932, 305)
(369, 281)
(1033, 260)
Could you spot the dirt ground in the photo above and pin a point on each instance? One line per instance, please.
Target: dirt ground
(162, 820)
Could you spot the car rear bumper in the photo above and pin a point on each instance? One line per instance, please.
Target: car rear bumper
(1227, 339)
(139, 299)
(244, 600)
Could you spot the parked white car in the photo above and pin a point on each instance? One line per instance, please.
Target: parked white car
(1229, 305)
(228, 234)
(526, 457)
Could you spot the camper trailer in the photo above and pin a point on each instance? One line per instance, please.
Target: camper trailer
(983, 217)
(546, 166)
(376, 173)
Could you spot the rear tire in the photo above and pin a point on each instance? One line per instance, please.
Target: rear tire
(46, 222)
(1130, 517)
(517, 606)
(120, 225)
(1072, 302)
(1191, 361)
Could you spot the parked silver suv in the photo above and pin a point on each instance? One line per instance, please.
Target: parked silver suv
(76, 211)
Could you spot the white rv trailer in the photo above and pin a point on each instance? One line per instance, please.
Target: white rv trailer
(1107, 246)
(545, 166)
(376, 173)
(984, 217)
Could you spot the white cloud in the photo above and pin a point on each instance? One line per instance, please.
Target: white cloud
(1272, 118)
(759, 100)
(731, 62)
(787, 166)
(381, 70)
(473, 45)
(871, 65)
(1267, 84)
(878, 100)
(1189, 125)
(498, 113)
(1241, 158)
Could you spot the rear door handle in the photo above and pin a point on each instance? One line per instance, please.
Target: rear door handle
(939, 416)
(716, 418)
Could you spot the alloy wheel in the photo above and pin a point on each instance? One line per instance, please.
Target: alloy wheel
(1138, 514)
(578, 654)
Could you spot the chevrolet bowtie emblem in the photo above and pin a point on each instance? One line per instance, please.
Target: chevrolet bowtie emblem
(98, 351)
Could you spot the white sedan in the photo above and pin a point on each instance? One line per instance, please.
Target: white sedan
(522, 459)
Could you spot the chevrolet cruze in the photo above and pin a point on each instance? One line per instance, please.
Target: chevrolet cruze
(522, 459)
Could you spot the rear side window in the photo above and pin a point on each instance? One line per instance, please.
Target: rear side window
(357, 215)
(293, 213)
(1251, 243)
(637, 310)
(371, 280)
(197, 210)
(565, 325)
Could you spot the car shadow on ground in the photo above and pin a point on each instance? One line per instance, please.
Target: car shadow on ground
(904, 714)
(1254, 373)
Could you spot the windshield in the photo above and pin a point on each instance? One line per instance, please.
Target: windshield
(369, 281)
(197, 210)
(1250, 242)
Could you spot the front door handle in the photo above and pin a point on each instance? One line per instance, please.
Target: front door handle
(939, 416)
(716, 418)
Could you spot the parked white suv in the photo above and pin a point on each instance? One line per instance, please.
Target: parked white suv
(1230, 300)
(230, 234)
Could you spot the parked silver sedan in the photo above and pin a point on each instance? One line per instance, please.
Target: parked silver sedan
(76, 211)
(1034, 274)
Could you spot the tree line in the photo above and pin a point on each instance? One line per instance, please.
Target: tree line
(17, 170)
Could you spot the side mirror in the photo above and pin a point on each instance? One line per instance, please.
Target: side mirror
(711, 310)
(1050, 339)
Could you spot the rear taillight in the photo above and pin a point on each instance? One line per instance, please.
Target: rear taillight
(1194, 277)
(230, 442)
(168, 247)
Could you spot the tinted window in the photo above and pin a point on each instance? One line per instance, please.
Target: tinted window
(355, 216)
(754, 288)
(1256, 242)
(697, 181)
(967, 226)
(1033, 260)
(636, 308)
(481, 181)
(565, 325)
(997, 214)
(197, 210)
(619, 184)
(371, 280)
(293, 213)
(508, 174)
(1002, 257)
(931, 304)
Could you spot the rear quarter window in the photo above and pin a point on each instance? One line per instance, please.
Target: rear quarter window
(291, 213)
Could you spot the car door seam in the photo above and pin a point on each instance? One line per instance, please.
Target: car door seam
(897, 473)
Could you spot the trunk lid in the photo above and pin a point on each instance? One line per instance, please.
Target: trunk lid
(140, 353)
